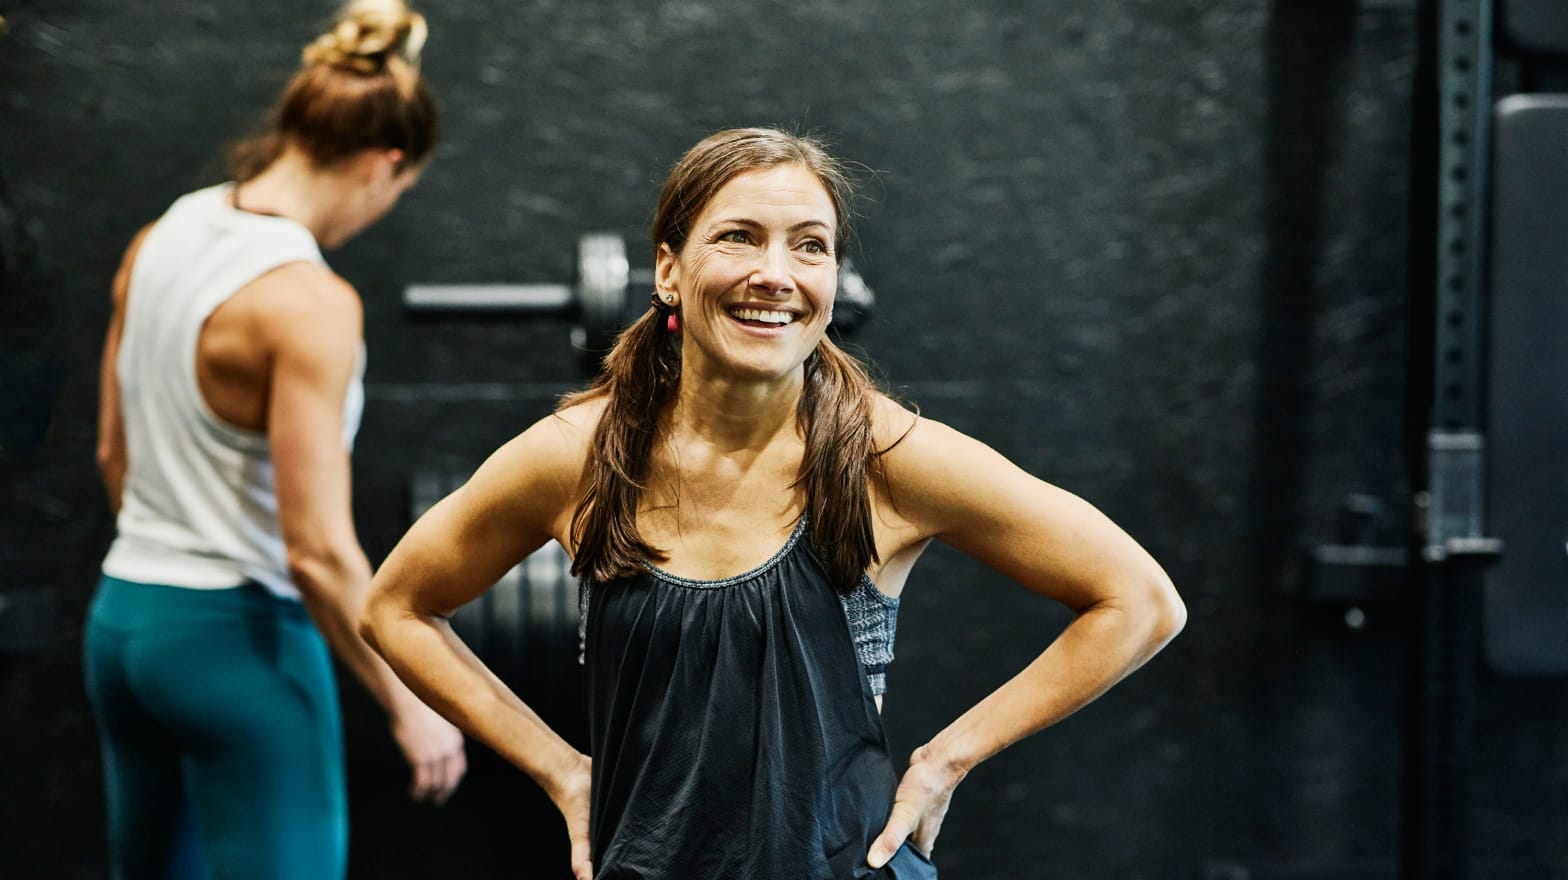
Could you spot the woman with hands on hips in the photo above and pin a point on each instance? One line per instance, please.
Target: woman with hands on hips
(743, 507)
(230, 392)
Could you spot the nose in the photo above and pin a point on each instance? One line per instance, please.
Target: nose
(772, 273)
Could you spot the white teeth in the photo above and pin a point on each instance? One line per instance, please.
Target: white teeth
(764, 315)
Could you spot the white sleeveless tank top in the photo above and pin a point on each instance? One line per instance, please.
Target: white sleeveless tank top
(198, 508)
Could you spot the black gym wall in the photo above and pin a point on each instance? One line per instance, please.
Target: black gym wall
(1153, 250)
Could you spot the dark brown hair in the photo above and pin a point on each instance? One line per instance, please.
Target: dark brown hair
(642, 373)
(359, 89)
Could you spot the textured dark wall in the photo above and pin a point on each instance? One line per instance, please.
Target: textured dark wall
(1150, 249)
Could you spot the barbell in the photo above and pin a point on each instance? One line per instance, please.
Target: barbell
(606, 294)
(596, 301)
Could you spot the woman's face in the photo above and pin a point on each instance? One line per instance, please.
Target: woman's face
(757, 276)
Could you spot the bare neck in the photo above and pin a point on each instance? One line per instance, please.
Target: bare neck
(735, 416)
(292, 187)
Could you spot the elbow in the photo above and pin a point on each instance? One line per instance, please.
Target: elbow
(373, 617)
(1163, 610)
(386, 614)
(106, 458)
(307, 570)
(111, 463)
(323, 574)
(367, 631)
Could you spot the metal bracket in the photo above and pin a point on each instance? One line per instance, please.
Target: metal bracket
(1452, 510)
(1365, 565)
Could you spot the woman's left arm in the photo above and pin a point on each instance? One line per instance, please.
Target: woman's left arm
(949, 486)
(111, 426)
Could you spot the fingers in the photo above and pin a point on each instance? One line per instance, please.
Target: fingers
(418, 781)
(447, 776)
(925, 835)
(899, 826)
(918, 809)
(582, 868)
(572, 799)
(422, 783)
(433, 748)
(921, 831)
(435, 780)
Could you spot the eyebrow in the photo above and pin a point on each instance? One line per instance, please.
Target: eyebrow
(804, 224)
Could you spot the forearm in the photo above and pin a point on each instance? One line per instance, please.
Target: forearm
(333, 587)
(1103, 645)
(440, 669)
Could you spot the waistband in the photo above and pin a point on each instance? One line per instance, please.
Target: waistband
(123, 604)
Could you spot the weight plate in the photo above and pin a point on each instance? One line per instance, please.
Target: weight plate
(603, 275)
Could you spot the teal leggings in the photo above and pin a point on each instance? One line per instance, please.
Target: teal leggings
(222, 741)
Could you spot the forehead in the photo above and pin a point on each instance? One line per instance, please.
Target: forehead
(793, 189)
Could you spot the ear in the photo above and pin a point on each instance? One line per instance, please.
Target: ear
(667, 274)
(380, 167)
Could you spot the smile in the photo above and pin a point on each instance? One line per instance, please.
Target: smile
(764, 316)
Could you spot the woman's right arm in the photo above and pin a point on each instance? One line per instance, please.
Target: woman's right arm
(310, 326)
(521, 497)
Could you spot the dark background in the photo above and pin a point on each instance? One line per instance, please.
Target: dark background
(1152, 250)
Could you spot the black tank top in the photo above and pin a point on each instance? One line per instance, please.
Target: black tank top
(733, 731)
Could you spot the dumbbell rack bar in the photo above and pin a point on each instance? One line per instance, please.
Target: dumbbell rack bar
(522, 298)
(530, 298)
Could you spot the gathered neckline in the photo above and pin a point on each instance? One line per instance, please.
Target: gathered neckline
(772, 562)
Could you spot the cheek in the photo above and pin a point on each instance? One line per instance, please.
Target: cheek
(701, 271)
(824, 287)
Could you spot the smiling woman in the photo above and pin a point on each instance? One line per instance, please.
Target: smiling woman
(743, 507)
(761, 271)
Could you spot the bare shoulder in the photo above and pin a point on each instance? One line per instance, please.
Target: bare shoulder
(937, 476)
(891, 422)
(539, 472)
(909, 441)
(303, 291)
(299, 314)
(563, 437)
(122, 276)
(580, 418)
(559, 440)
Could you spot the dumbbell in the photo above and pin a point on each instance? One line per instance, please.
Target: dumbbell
(605, 287)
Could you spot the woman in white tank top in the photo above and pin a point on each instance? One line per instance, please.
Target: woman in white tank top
(230, 395)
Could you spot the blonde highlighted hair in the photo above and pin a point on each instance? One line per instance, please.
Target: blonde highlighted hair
(358, 89)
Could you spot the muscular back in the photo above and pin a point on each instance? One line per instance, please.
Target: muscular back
(236, 351)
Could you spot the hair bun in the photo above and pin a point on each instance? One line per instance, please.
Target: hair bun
(367, 34)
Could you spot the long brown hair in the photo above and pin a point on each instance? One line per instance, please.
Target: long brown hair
(359, 89)
(642, 373)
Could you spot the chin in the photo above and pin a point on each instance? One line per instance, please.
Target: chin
(766, 372)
